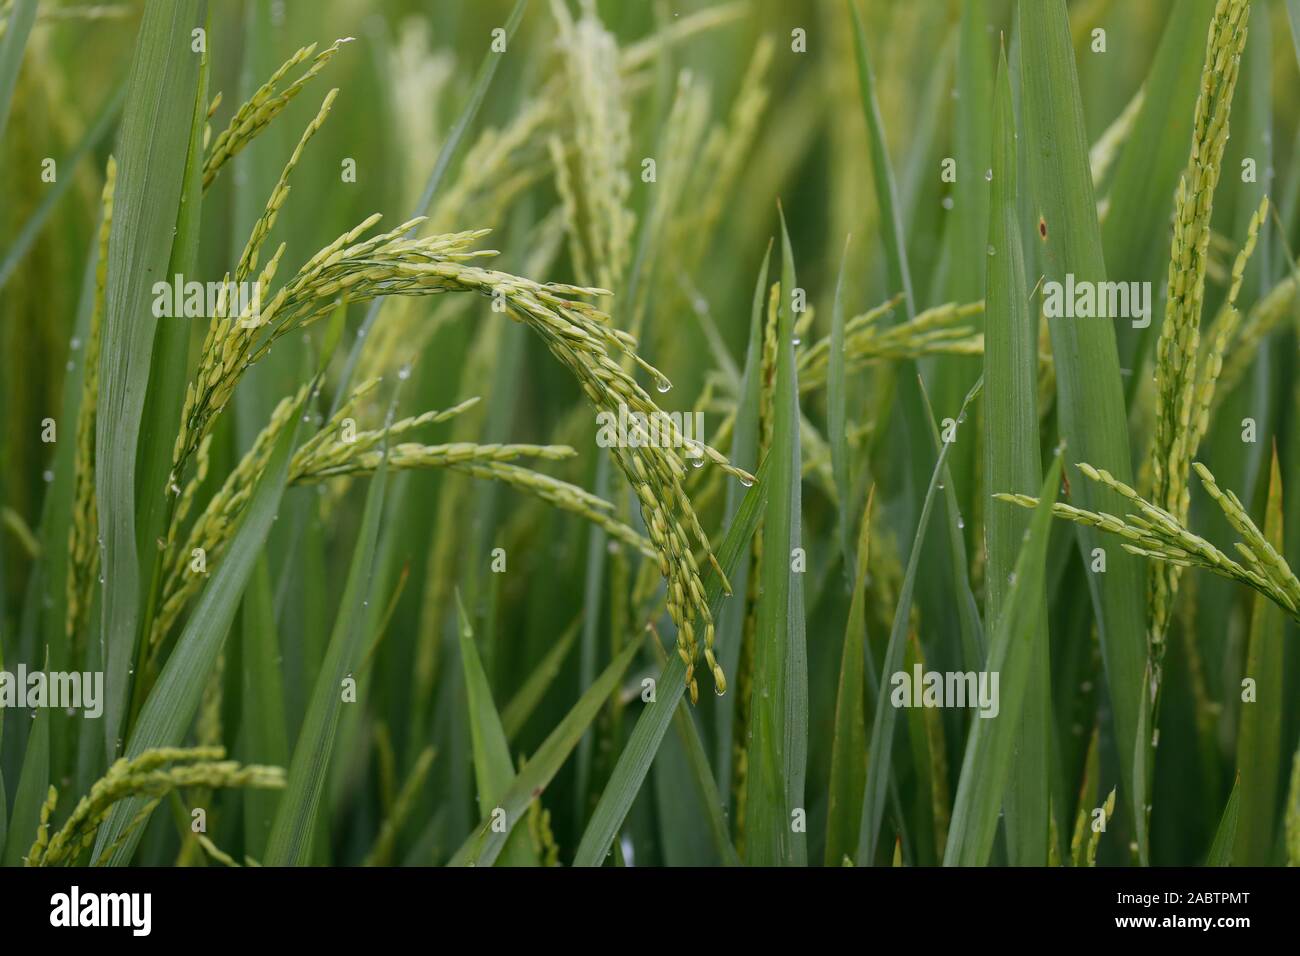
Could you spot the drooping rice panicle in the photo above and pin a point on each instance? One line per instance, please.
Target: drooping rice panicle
(1179, 344)
(83, 550)
(146, 775)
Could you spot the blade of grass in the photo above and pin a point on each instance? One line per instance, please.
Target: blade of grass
(165, 396)
(521, 706)
(175, 698)
(151, 164)
(836, 402)
(486, 842)
(493, 769)
(21, 17)
(1090, 401)
(849, 744)
(1012, 463)
(700, 774)
(880, 749)
(1226, 835)
(1018, 628)
(778, 709)
(1259, 738)
(265, 732)
(744, 453)
(290, 842)
(33, 786)
(634, 763)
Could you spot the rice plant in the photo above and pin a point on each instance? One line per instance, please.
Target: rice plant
(411, 411)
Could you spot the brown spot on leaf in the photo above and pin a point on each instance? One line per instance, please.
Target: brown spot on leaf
(1042, 227)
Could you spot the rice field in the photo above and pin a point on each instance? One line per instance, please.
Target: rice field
(594, 433)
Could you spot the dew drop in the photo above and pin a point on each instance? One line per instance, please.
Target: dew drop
(947, 202)
(746, 482)
(988, 175)
(48, 476)
(404, 372)
(796, 340)
(961, 522)
(697, 463)
(663, 385)
(991, 250)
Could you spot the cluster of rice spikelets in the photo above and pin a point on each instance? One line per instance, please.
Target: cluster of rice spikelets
(262, 107)
(155, 773)
(1155, 532)
(83, 550)
(1179, 343)
(1275, 308)
(943, 329)
(598, 141)
(1210, 367)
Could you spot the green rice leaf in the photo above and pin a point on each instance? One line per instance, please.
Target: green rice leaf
(265, 731)
(175, 698)
(1226, 835)
(848, 769)
(33, 786)
(779, 703)
(18, 25)
(1090, 400)
(1012, 463)
(634, 763)
(1012, 652)
(744, 454)
(151, 166)
(836, 403)
(290, 842)
(484, 845)
(521, 706)
(1259, 738)
(493, 769)
(880, 748)
(701, 776)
